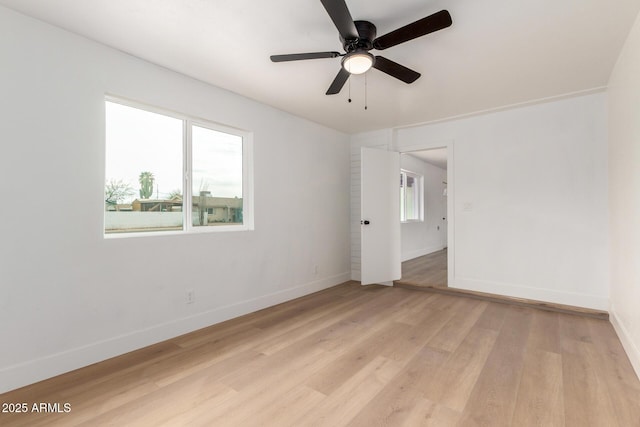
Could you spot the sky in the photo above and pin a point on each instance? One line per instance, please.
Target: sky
(138, 140)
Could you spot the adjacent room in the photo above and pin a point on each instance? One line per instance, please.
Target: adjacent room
(330, 212)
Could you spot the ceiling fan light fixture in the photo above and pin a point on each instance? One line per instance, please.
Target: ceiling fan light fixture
(359, 37)
(358, 62)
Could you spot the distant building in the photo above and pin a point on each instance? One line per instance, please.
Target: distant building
(217, 209)
(206, 209)
(113, 207)
(156, 205)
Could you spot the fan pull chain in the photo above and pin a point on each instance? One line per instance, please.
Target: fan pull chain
(365, 91)
(349, 90)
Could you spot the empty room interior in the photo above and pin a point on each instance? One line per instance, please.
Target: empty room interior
(330, 212)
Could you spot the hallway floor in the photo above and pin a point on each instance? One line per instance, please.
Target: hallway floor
(428, 270)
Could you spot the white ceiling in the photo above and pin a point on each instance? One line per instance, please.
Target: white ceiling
(496, 53)
(436, 157)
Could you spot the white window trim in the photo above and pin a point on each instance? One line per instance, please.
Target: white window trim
(420, 179)
(187, 204)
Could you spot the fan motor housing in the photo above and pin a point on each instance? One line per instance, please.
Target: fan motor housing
(367, 33)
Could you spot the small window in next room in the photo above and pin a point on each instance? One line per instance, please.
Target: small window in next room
(170, 173)
(411, 196)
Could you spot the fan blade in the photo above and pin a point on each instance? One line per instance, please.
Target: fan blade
(396, 70)
(339, 14)
(338, 82)
(431, 23)
(300, 56)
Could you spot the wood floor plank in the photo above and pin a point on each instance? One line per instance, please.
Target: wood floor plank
(334, 375)
(612, 358)
(493, 316)
(260, 372)
(428, 414)
(198, 416)
(164, 404)
(615, 371)
(271, 382)
(540, 400)
(454, 381)
(201, 357)
(446, 302)
(545, 332)
(411, 339)
(452, 334)
(402, 397)
(492, 400)
(573, 329)
(347, 400)
(360, 356)
(285, 409)
(326, 316)
(412, 312)
(600, 385)
(586, 399)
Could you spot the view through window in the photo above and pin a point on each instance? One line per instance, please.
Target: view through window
(151, 158)
(411, 185)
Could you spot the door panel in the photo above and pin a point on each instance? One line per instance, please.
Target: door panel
(380, 216)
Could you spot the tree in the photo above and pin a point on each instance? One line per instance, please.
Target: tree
(146, 180)
(116, 191)
(175, 194)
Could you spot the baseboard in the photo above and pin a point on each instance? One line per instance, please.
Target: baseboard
(32, 371)
(420, 252)
(502, 299)
(548, 295)
(632, 350)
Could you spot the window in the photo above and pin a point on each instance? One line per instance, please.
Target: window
(411, 185)
(162, 168)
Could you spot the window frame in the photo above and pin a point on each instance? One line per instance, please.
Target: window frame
(419, 179)
(187, 192)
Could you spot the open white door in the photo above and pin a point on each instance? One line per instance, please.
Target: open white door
(380, 216)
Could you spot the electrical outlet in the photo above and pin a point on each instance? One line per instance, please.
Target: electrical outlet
(190, 296)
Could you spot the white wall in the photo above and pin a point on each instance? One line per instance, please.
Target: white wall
(624, 195)
(69, 297)
(530, 202)
(422, 238)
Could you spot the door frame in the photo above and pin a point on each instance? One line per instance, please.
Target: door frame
(449, 145)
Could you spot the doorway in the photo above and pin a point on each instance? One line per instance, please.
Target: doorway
(424, 237)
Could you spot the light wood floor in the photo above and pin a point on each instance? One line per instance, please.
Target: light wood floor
(427, 270)
(360, 356)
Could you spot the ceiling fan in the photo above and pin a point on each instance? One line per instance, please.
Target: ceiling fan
(359, 37)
